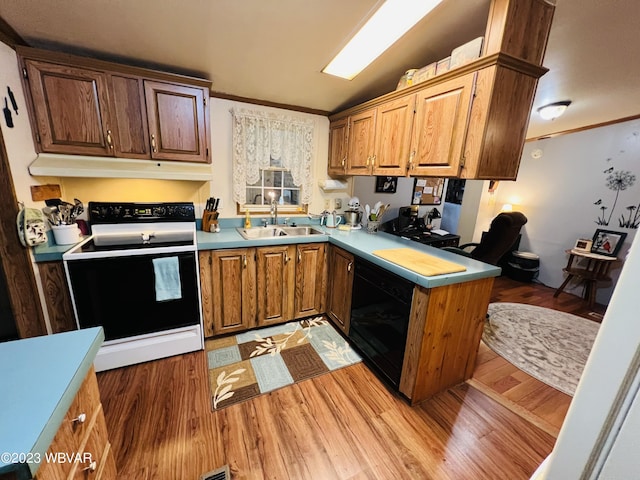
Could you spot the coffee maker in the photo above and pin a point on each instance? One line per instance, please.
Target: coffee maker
(407, 218)
(353, 213)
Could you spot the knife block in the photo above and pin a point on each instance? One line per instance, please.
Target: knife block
(209, 219)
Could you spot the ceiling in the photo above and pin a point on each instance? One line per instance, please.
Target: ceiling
(273, 51)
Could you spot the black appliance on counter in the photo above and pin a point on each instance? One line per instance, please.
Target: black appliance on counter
(380, 310)
(114, 277)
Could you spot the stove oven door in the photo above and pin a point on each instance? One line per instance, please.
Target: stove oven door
(119, 294)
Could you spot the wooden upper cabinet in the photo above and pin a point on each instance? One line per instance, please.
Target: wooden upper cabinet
(84, 106)
(469, 122)
(71, 110)
(360, 143)
(442, 113)
(393, 136)
(311, 280)
(131, 137)
(275, 269)
(177, 122)
(338, 131)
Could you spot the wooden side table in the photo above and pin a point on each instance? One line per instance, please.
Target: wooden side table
(590, 268)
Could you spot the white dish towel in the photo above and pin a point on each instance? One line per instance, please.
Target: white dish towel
(167, 273)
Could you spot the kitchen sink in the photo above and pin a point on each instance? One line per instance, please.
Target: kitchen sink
(272, 231)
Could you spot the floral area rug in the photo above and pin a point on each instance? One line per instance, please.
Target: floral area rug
(549, 345)
(252, 363)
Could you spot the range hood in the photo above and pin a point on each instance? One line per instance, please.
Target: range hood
(56, 165)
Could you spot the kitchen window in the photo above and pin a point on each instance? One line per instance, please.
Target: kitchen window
(272, 158)
(277, 183)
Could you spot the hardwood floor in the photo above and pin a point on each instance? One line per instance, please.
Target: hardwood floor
(342, 425)
(541, 404)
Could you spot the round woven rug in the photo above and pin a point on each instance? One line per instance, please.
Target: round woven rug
(549, 345)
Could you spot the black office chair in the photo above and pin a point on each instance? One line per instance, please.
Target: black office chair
(501, 237)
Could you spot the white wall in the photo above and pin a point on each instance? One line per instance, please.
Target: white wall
(604, 398)
(557, 193)
(221, 159)
(18, 140)
(364, 187)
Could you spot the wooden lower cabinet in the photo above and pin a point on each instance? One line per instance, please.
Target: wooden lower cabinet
(444, 334)
(310, 280)
(275, 270)
(57, 297)
(228, 287)
(83, 433)
(340, 285)
(247, 287)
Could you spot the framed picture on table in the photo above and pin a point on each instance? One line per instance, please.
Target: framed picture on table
(607, 242)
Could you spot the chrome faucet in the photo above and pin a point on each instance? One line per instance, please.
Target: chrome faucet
(274, 210)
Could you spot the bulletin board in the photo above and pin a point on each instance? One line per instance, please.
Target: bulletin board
(427, 191)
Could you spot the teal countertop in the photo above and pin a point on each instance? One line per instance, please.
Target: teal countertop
(40, 378)
(358, 242)
(362, 244)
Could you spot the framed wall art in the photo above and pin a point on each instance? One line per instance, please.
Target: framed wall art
(607, 242)
(386, 184)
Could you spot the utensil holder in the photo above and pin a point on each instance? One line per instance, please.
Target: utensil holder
(66, 234)
(372, 226)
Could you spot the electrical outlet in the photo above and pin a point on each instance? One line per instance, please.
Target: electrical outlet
(327, 203)
(338, 203)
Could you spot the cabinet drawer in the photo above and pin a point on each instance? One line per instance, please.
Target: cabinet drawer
(72, 431)
(92, 453)
(82, 410)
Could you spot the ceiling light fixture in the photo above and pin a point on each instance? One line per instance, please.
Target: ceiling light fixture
(553, 110)
(390, 22)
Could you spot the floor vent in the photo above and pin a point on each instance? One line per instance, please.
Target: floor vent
(221, 473)
(596, 315)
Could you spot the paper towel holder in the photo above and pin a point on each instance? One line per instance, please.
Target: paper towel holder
(333, 185)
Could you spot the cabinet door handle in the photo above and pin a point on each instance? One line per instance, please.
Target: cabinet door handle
(368, 160)
(92, 467)
(109, 139)
(349, 266)
(286, 258)
(411, 156)
(153, 144)
(299, 256)
(344, 161)
(80, 418)
(244, 261)
(373, 161)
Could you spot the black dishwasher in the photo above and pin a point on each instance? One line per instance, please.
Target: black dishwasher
(380, 309)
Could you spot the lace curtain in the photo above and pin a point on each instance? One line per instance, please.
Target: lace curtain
(258, 137)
